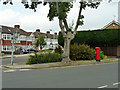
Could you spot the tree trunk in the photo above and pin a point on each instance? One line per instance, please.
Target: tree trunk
(65, 56)
(67, 39)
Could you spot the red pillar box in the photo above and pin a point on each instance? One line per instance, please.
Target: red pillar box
(97, 54)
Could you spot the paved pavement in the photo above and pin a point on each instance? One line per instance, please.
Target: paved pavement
(19, 63)
(92, 76)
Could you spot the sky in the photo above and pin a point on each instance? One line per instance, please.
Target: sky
(29, 20)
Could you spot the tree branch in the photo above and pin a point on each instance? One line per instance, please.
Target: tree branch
(65, 23)
(60, 21)
(81, 3)
(62, 27)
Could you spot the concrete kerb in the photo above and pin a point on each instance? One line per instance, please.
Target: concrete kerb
(54, 65)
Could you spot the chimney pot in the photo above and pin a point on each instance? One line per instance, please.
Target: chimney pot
(55, 33)
(48, 32)
(37, 30)
(17, 26)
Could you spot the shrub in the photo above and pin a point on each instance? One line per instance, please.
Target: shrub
(44, 58)
(58, 50)
(46, 50)
(81, 52)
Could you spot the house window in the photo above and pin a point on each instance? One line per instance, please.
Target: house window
(9, 48)
(23, 38)
(6, 48)
(6, 37)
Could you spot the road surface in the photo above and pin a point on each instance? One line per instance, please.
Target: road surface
(16, 60)
(92, 76)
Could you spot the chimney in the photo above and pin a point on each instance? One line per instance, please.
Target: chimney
(38, 30)
(48, 32)
(55, 33)
(17, 26)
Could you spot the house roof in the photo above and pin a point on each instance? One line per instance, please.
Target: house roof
(113, 22)
(29, 33)
(11, 30)
(38, 34)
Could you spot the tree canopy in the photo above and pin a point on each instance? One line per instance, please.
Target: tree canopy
(40, 42)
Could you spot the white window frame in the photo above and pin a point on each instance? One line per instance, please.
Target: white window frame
(31, 38)
(6, 36)
(22, 37)
(7, 48)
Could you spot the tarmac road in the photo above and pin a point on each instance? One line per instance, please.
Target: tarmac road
(92, 76)
(18, 60)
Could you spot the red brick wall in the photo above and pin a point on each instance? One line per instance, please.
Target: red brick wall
(113, 27)
(8, 42)
(29, 43)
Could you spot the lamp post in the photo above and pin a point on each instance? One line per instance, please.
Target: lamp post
(51, 44)
(15, 35)
(32, 41)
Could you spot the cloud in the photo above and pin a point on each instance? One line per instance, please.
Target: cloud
(30, 20)
(8, 16)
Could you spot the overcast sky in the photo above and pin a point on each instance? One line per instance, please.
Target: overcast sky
(30, 20)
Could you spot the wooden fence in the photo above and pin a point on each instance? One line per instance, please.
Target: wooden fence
(111, 51)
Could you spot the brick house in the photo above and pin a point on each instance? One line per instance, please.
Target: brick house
(112, 25)
(25, 39)
(112, 51)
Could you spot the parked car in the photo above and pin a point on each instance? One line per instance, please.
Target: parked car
(50, 49)
(32, 50)
(20, 51)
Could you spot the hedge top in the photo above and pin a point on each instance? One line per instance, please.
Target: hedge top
(94, 38)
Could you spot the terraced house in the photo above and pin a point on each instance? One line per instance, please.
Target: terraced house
(25, 39)
(50, 39)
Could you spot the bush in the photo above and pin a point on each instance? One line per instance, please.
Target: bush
(81, 52)
(44, 58)
(58, 50)
(46, 50)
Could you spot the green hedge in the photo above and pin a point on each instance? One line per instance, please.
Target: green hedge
(95, 38)
(44, 58)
